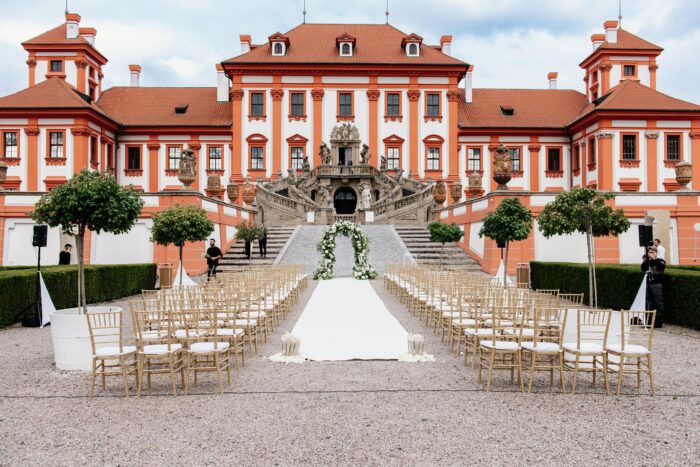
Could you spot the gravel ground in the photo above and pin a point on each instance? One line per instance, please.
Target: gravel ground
(349, 413)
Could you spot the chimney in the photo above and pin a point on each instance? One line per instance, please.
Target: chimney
(88, 34)
(446, 45)
(610, 31)
(468, 93)
(135, 71)
(72, 25)
(246, 42)
(222, 84)
(552, 77)
(597, 40)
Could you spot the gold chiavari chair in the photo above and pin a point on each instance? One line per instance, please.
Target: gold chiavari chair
(591, 338)
(545, 350)
(208, 352)
(636, 331)
(498, 351)
(575, 299)
(110, 357)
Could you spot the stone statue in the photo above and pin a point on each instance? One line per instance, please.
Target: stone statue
(292, 176)
(325, 153)
(307, 166)
(345, 132)
(187, 172)
(364, 154)
(324, 197)
(366, 199)
(383, 163)
(399, 174)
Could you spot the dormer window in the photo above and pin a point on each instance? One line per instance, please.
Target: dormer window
(278, 49)
(346, 45)
(412, 50)
(507, 111)
(411, 45)
(279, 43)
(346, 49)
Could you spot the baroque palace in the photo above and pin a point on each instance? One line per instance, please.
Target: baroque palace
(355, 121)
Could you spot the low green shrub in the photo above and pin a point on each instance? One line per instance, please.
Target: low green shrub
(618, 286)
(103, 283)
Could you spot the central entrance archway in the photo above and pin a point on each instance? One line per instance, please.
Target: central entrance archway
(345, 201)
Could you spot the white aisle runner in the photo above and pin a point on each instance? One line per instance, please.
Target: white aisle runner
(346, 320)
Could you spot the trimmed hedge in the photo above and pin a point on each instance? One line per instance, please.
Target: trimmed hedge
(618, 286)
(103, 283)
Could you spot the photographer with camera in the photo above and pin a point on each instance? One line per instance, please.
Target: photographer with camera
(654, 267)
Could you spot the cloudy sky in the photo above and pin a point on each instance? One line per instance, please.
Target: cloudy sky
(512, 43)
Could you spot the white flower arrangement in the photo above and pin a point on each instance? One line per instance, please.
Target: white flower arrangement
(362, 269)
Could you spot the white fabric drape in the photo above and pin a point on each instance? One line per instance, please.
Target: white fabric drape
(47, 306)
(499, 274)
(186, 280)
(640, 300)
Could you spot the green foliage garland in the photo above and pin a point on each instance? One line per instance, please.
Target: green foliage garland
(326, 246)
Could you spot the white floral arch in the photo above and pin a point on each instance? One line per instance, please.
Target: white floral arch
(326, 246)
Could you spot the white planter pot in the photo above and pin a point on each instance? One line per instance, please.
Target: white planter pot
(71, 338)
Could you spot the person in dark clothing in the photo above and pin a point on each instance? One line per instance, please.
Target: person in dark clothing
(64, 256)
(213, 256)
(262, 243)
(247, 248)
(655, 267)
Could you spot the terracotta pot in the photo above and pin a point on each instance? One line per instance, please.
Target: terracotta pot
(3, 173)
(232, 190)
(248, 193)
(455, 191)
(684, 174)
(440, 192)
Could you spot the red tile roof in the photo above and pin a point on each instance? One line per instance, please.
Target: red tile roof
(532, 108)
(56, 36)
(156, 106)
(625, 41)
(53, 93)
(378, 44)
(631, 95)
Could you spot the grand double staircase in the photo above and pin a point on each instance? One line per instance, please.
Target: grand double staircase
(235, 256)
(417, 240)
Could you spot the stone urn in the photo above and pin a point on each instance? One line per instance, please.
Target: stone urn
(440, 192)
(455, 191)
(475, 187)
(214, 188)
(232, 190)
(502, 168)
(684, 174)
(248, 193)
(3, 174)
(187, 173)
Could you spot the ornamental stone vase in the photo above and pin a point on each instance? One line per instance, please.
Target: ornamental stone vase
(440, 192)
(502, 168)
(232, 190)
(248, 193)
(475, 187)
(3, 174)
(187, 172)
(214, 187)
(455, 191)
(684, 174)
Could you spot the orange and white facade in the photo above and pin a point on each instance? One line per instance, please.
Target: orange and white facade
(278, 100)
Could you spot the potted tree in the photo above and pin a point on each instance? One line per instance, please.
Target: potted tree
(444, 233)
(95, 202)
(180, 224)
(248, 234)
(510, 222)
(583, 210)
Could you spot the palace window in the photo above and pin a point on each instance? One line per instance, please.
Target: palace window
(10, 144)
(630, 70)
(433, 158)
(346, 49)
(297, 157)
(133, 158)
(298, 104)
(93, 151)
(256, 157)
(393, 158)
(412, 50)
(673, 147)
(215, 158)
(577, 157)
(345, 104)
(56, 66)
(278, 48)
(110, 157)
(515, 159)
(56, 148)
(629, 147)
(174, 154)
(591, 152)
(554, 160)
(257, 104)
(91, 92)
(393, 106)
(433, 105)
(474, 160)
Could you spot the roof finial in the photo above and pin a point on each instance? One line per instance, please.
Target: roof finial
(304, 12)
(619, 16)
(66, 6)
(387, 12)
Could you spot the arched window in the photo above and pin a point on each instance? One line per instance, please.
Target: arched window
(413, 49)
(345, 49)
(278, 48)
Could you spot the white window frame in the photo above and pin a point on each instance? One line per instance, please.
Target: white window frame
(342, 45)
(408, 49)
(284, 48)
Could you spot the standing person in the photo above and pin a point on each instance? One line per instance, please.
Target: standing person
(262, 243)
(247, 248)
(661, 251)
(654, 266)
(64, 256)
(213, 256)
